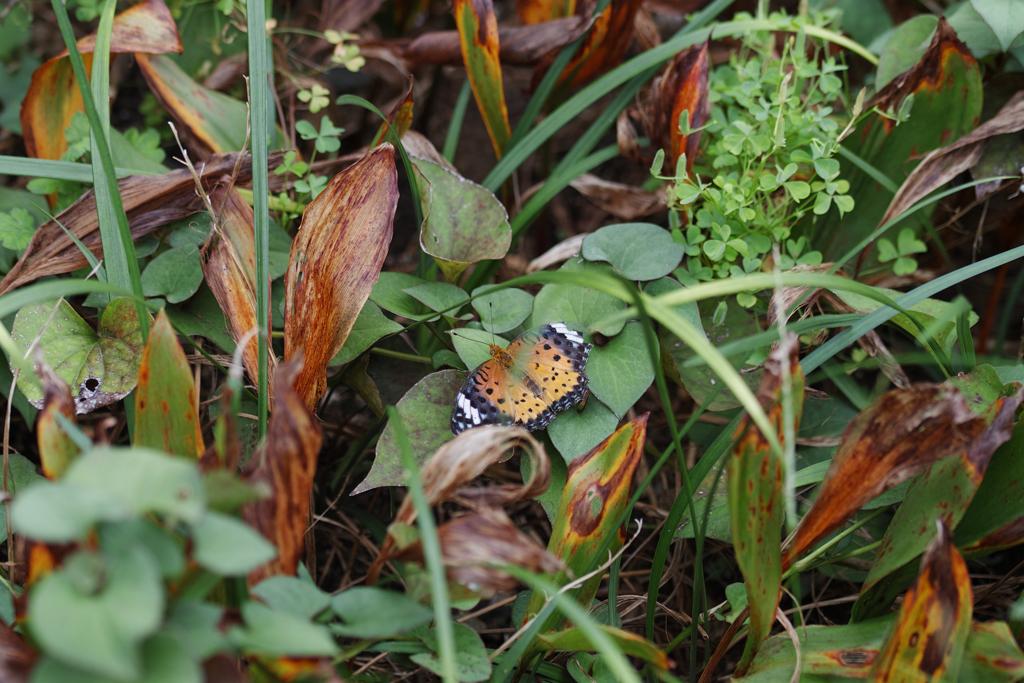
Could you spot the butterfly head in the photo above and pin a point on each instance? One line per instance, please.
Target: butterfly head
(501, 356)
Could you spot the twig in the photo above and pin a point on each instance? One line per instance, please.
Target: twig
(786, 624)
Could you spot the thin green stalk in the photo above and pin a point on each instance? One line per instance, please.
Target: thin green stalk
(451, 139)
(58, 170)
(259, 98)
(805, 563)
(431, 551)
(401, 356)
(117, 244)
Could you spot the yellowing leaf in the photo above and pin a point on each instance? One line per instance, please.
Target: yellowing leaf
(56, 448)
(478, 35)
(926, 643)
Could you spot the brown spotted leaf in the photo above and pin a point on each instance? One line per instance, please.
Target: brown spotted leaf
(539, 11)
(905, 431)
(336, 258)
(755, 474)
(166, 416)
(229, 266)
(632, 644)
(150, 202)
(926, 643)
(53, 96)
(474, 543)
(595, 496)
(286, 462)
(56, 449)
(456, 463)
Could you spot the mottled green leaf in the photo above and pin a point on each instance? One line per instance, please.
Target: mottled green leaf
(621, 370)
(369, 327)
(637, 251)
(503, 310)
(100, 368)
(577, 304)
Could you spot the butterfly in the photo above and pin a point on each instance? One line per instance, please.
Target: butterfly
(540, 373)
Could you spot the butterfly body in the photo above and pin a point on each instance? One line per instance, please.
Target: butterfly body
(541, 373)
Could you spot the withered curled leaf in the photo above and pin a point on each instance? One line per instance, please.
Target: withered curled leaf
(683, 87)
(286, 462)
(462, 460)
(901, 434)
(335, 259)
(472, 542)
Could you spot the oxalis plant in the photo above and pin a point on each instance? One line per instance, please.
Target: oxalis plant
(773, 132)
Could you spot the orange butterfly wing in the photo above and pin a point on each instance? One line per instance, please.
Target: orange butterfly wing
(483, 399)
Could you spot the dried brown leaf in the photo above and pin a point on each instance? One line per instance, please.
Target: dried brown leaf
(945, 163)
(487, 537)
(17, 659)
(462, 460)
(519, 45)
(623, 201)
(335, 259)
(150, 202)
(286, 462)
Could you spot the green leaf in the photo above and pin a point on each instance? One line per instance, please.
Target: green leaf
(369, 327)
(202, 316)
(473, 346)
(437, 296)
(22, 472)
(291, 594)
(798, 189)
(1004, 17)
(997, 501)
(826, 168)
(463, 223)
(714, 249)
(377, 613)
(575, 432)
(905, 46)
(175, 275)
(121, 537)
(426, 411)
(279, 634)
(503, 310)
(16, 229)
(822, 202)
(100, 368)
(99, 632)
(389, 294)
(637, 251)
(227, 546)
(621, 371)
(576, 304)
(886, 251)
(471, 662)
(109, 484)
(908, 244)
(195, 625)
(904, 266)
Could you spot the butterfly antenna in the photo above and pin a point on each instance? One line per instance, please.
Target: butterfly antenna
(460, 336)
(490, 305)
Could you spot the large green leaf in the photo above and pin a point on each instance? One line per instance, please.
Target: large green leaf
(503, 310)
(100, 368)
(369, 327)
(227, 546)
(622, 370)
(637, 251)
(905, 47)
(575, 432)
(293, 594)
(999, 500)
(471, 662)
(576, 303)
(175, 274)
(94, 617)
(426, 413)
(463, 223)
(275, 633)
(376, 613)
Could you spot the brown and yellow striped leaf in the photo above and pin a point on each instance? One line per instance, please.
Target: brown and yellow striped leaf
(756, 493)
(166, 416)
(229, 267)
(539, 11)
(478, 36)
(335, 259)
(926, 643)
(400, 117)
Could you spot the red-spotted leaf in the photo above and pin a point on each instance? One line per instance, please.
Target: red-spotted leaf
(165, 399)
(478, 35)
(756, 501)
